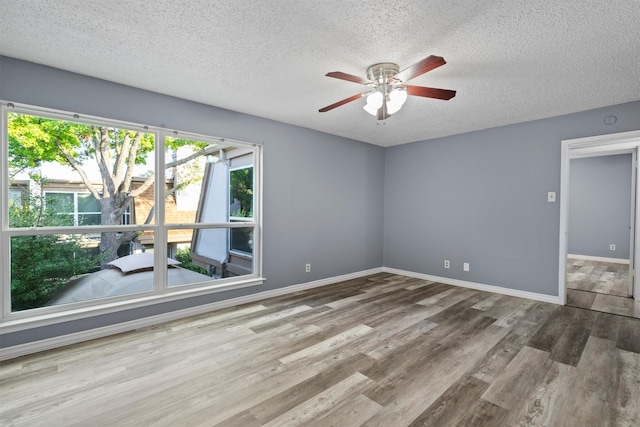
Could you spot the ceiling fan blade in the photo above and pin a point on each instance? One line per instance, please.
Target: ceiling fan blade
(348, 77)
(427, 64)
(344, 101)
(430, 92)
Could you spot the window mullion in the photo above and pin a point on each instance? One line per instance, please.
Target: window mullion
(160, 246)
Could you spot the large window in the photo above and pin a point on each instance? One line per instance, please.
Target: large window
(89, 218)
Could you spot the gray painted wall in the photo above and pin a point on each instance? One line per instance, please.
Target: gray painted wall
(481, 198)
(600, 205)
(318, 208)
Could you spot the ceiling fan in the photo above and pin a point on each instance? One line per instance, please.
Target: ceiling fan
(387, 91)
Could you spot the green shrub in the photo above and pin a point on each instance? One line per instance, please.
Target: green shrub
(184, 256)
(41, 265)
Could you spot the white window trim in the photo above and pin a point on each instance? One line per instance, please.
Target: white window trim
(27, 319)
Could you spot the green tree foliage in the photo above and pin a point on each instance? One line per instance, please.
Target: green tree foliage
(41, 265)
(241, 192)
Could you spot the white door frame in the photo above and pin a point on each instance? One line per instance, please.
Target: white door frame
(573, 148)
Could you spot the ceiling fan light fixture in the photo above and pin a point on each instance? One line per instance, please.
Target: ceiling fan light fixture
(374, 102)
(397, 97)
(369, 109)
(374, 99)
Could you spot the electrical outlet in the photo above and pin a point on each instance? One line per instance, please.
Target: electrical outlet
(307, 268)
(612, 247)
(447, 264)
(465, 266)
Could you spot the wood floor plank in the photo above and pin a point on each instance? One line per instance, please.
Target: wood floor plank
(328, 344)
(539, 407)
(580, 299)
(286, 400)
(512, 387)
(490, 367)
(550, 332)
(243, 419)
(629, 334)
(349, 412)
(515, 310)
(570, 345)
(484, 414)
(450, 408)
(614, 304)
(323, 402)
(380, 349)
(625, 403)
(587, 398)
(605, 326)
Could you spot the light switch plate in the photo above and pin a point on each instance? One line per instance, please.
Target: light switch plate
(551, 196)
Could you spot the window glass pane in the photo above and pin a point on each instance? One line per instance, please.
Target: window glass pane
(88, 203)
(241, 240)
(15, 197)
(241, 193)
(186, 160)
(208, 254)
(68, 162)
(198, 182)
(61, 203)
(33, 211)
(65, 268)
(88, 219)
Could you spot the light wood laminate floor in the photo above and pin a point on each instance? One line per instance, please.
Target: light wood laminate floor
(385, 350)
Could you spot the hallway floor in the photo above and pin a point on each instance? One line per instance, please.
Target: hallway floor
(600, 286)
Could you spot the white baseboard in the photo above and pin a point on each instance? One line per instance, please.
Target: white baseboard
(598, 258)
(63, 340)
(477, 286)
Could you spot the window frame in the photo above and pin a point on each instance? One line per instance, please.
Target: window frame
(43, 316)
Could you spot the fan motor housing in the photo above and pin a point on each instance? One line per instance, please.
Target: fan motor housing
(382, 72)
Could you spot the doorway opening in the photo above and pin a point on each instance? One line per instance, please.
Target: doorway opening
(598, 217)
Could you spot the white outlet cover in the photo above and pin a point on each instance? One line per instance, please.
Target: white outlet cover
(551, 196)
(465, 266)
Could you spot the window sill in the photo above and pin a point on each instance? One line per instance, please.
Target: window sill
(13, 323)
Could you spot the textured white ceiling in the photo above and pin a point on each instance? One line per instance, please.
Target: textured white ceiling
(509, 60)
